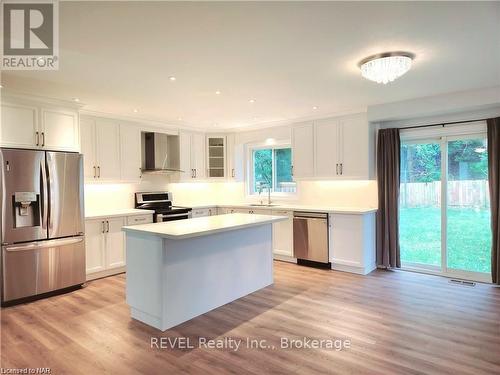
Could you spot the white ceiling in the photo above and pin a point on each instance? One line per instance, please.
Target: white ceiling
(288, 56)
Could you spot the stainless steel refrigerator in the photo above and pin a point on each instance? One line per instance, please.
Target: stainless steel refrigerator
(42, 224)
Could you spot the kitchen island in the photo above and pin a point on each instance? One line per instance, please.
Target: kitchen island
(181, 269)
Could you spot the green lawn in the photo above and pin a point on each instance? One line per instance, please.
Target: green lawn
(469, 237)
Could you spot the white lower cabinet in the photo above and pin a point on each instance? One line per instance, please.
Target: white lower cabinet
(105, 244)
(283, 235)
(282, 231)
(115, 243)
(201, 212)
(352, 242)
(94, 247)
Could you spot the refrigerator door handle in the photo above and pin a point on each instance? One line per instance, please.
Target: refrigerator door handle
(44, 194)
(43, 244)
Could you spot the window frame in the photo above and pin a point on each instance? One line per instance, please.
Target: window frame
(250, 168)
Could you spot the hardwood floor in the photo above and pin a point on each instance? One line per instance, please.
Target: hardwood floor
(396, 322)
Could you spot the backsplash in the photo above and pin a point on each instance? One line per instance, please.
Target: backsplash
(323, 193)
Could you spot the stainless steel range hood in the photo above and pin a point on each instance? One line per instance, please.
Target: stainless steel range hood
(160, 153)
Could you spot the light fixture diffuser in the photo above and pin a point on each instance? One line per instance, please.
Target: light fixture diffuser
(386, 67)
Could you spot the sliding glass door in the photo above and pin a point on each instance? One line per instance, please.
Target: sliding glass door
(468, 231)
(444, 206)
(420, 204)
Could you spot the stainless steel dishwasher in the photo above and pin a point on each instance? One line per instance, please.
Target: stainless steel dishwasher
(310, 238)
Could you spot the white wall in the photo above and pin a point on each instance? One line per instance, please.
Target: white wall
(460, 106)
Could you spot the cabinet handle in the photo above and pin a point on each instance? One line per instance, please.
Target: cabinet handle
(232, 172)
(195, 170)
(103, 227)
(95, 172)
(341, 168)
(37, 138)
(292, 170)
(43, 139)
(98, 172)
(337, 168)
(107, 226)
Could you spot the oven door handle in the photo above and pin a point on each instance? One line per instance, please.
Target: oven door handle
(160, 216)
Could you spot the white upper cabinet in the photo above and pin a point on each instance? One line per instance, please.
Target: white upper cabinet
(192, 155)
(101, 148)
(59, 130)
(334, 148)
(198, 155)
(108, 149)
(27, 123)
(88, 147)
(356, 146)
(230, 156)
(326, 150)
(130, 152)
(19, 125)
(234, 159)
(303, 150)
(185, 156)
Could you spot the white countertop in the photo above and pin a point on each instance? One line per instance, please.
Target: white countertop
(290, 207)
(202, 226)
(116, 213)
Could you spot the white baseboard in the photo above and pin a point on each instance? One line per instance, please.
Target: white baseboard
(284, 258)
(360, 270)
(106, 273)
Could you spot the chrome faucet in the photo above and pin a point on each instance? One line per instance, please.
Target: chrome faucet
(259, 189)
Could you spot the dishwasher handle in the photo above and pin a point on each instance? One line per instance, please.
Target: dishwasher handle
(310, 215)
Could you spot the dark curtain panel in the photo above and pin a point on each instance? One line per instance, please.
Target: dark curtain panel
(388, 164)
(494, 181)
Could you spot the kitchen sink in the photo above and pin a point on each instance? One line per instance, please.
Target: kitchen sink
(263, 205)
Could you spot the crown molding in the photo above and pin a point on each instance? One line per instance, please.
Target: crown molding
(12, 94)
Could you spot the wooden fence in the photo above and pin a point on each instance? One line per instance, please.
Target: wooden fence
(466, 193)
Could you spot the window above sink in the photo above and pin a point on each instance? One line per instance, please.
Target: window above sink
(270, 167)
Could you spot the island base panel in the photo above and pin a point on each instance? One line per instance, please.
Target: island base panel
(172, 281)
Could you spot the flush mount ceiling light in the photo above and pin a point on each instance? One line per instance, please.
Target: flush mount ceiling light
(386, 67)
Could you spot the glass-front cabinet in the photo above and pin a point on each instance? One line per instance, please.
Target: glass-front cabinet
(216, 156)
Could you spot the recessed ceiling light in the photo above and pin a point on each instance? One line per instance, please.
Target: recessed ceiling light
(136, 110)
(251, 101)
(217, 92)
(315, 108)
(1, 86)
(76, 100)
(386, 67)
(179, 118)
(172, 78)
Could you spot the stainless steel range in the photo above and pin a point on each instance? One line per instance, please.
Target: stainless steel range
(42, 226)
(161, 203)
